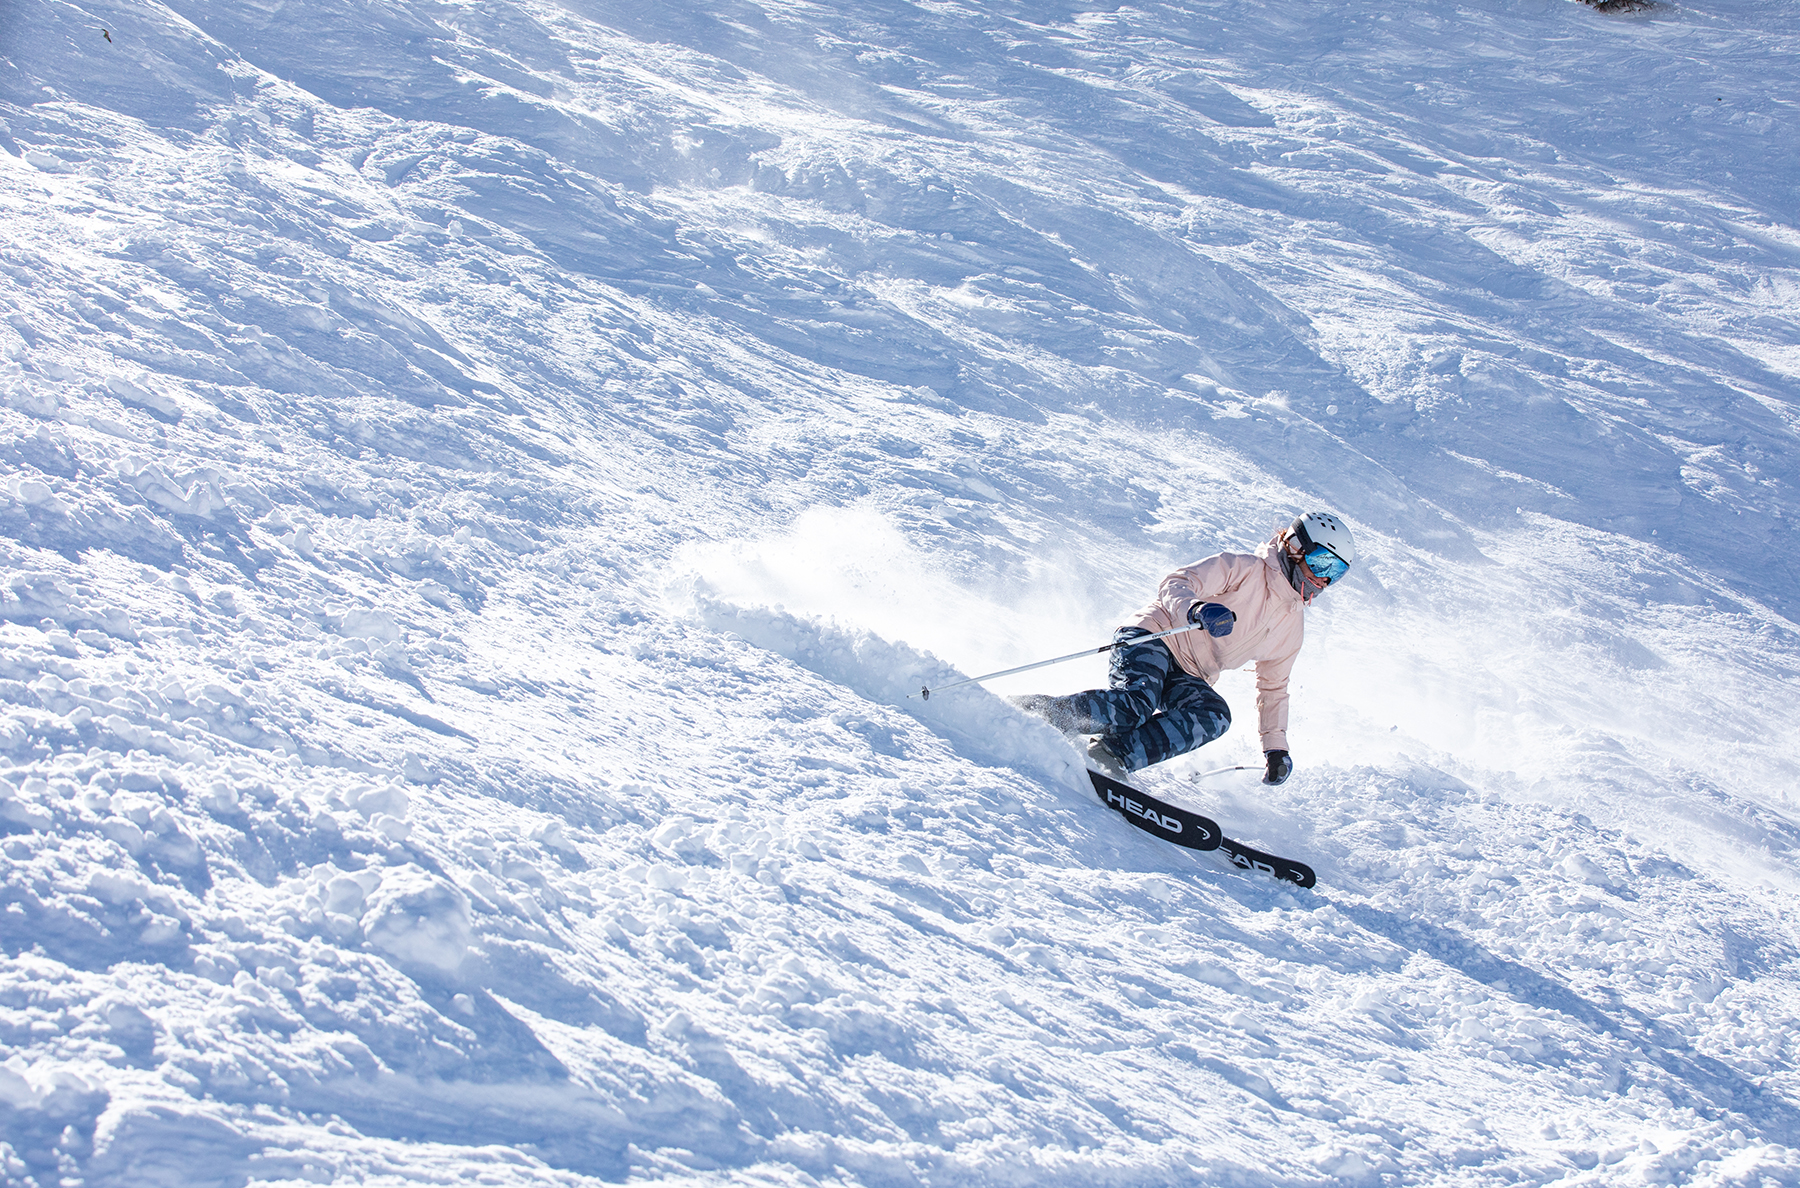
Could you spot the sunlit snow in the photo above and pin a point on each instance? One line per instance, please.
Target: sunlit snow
(480, 481)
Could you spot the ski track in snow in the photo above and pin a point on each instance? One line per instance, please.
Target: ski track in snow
(479, 483)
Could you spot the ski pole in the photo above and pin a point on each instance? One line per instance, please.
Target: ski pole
(1222, 770)
(925, 691)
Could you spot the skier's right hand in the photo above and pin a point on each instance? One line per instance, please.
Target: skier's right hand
(1280, 767)
(1217, 618)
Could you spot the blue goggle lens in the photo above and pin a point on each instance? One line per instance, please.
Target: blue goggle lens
(1325, 564)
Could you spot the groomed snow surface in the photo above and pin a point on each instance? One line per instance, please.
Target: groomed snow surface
(480, 480)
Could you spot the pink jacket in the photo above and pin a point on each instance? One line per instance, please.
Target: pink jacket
(1268, 631)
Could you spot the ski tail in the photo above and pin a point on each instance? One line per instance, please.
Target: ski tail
(1285, 869)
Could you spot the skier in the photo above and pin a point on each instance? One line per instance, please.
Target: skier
(1161, 702)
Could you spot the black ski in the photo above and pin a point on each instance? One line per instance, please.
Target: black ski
(1284, 869)
(1185, 828)
(1165, 820)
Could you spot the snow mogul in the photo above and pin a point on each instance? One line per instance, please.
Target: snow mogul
(1247, 608)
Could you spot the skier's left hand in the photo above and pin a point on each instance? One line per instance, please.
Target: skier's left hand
(1280, 767)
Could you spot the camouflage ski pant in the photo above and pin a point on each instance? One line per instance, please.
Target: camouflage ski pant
(1154, 710)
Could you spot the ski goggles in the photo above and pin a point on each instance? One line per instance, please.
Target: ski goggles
(1324, 564)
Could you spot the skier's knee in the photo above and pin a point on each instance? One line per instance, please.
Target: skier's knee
(1136, 707)
(1207, 718)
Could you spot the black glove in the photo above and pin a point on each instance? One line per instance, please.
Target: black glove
(1280, 767)
(1216, 617)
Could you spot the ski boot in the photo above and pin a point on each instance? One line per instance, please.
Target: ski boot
(1103, 759)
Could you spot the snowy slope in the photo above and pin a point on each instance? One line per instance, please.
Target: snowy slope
(481, 480)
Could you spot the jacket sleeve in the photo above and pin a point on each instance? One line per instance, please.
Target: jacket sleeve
(1272, 699)
(1202, 581)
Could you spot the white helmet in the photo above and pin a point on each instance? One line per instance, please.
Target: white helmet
(1320, 552)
